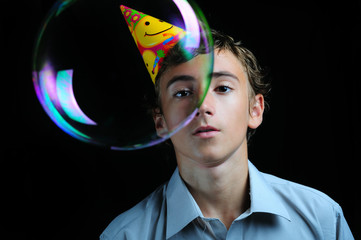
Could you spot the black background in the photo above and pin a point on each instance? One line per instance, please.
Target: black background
(55, 187)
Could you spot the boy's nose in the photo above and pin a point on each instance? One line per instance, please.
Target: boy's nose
(207, 108)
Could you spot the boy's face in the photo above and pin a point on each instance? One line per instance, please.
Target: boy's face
(220, 126)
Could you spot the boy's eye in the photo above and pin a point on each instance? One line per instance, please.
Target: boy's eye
(183, 93)
(223, 89)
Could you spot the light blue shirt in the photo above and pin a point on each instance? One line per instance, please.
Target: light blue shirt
(279, 210)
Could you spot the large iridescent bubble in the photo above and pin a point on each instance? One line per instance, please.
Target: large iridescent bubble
(94, 66)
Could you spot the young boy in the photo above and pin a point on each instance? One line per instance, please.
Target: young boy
(216, 192)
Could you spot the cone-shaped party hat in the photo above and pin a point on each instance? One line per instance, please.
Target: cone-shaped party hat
(154, 37)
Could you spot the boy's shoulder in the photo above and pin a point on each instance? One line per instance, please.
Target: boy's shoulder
(141, 216)
(278, 183)
(303, 198)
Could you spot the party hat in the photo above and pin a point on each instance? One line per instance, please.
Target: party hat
(154, 37)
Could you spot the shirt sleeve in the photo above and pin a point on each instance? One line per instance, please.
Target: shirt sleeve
(343, 231)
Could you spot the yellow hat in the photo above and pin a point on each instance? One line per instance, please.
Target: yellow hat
(153, 37)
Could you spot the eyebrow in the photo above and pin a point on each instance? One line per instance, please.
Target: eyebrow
(224, 74)
(180, 78)
(191, 78)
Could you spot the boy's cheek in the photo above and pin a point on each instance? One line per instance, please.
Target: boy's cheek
(174, 117)
(178, 112)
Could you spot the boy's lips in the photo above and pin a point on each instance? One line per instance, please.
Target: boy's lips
(205, 131)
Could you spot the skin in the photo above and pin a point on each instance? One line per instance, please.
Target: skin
(213, 165)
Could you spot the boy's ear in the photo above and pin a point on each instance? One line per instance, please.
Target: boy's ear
(160, 124)
(256, 111)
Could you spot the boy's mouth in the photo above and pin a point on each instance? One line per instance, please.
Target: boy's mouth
(205, 131)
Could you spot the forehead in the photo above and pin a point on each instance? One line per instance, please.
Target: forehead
(224, 61)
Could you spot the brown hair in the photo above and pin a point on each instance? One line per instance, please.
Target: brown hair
(221, 42)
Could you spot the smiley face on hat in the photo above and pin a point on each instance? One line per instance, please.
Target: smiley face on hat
(151, 31)
(152, 36)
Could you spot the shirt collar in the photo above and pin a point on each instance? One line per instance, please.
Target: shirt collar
(182, 208)
(263, 197)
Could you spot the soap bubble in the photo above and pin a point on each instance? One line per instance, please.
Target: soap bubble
(96, 83)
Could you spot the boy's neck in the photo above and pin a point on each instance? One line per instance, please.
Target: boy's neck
(221, 191)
